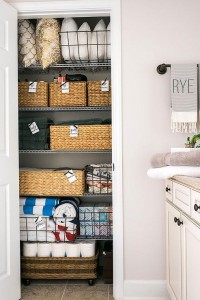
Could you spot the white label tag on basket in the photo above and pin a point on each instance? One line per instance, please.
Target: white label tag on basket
(73, 131)
(70, 176)
(39, 223)
(32, 87)
(105, 86)
(65, 87)
(33, 127)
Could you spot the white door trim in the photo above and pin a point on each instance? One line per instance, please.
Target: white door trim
(96, 8)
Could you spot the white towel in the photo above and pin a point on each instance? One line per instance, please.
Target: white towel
(170, 171)
(28, 223)
(184, 98)
(87, 248)
(73, 249)
(41, 236)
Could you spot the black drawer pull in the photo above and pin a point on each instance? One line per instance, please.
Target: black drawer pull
(180, 222)
(167, 189)
(175, 220)
(196, 207)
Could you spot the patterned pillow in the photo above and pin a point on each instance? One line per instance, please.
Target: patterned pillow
(47, 42)
(26, 43)
(68, 33)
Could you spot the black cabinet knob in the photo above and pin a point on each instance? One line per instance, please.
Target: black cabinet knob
(167, 189)
(179, 222)
(175, 220)
(196, 207)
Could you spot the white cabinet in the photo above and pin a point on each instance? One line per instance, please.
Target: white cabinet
(183, 244)
(173, 252)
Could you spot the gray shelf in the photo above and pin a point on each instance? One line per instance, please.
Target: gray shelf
(94, 237)
(61, 152)
(97, 195)
(60, 109)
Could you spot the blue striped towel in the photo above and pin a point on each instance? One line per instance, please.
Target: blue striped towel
(46, 210)
(32, 201)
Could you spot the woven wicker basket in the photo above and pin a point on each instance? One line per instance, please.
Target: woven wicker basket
(40, 98)
(75, 97)
(59, 268)
(96, 97)
(50, 183)
(90, 137)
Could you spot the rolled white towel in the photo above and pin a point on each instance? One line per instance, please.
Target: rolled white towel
(30, 249)
(73, 249)
(58, 249)
(44, 249)
(87, 248)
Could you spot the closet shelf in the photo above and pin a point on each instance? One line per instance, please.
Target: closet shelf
(72, 108)
(92, 66)
(60, 151)
(103, 237)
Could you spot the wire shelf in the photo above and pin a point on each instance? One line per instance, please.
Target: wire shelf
(72, 108)
(61, 152)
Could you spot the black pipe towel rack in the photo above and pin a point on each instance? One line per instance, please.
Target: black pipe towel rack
(162, 69)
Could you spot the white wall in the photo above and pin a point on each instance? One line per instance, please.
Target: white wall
(153, 32)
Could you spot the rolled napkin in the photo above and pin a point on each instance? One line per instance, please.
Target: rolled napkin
(30, 249)
(44, 249)
(87, 248)
(58, 249)
(73, 249)
(191, 158)
(32, 201)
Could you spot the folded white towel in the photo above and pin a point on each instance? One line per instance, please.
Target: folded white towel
(87, 248)
(170, 171)
(41, 236)
(58, 249)
(30, 249)
(73, 249)
(44, 249)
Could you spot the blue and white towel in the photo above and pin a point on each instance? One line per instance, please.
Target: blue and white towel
(40, 210)
(32, 201)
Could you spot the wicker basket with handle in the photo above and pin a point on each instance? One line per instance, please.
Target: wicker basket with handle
(50, 183)
(96, 97)
(39, 98)
(75, 97)
(90, 137)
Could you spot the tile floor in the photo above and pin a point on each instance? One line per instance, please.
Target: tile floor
(66, 290)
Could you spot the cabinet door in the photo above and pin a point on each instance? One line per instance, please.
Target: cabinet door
(190, 260)
(173, 244)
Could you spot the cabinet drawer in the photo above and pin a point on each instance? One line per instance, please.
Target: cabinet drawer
(181, 197)
(195, 206)
(168, 190)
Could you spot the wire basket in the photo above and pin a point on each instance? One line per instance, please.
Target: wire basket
(76, 95)
(50, 183)
(97, 97)
(37, 98)
(98, 179)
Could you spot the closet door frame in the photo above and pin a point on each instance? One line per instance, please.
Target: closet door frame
(87, 8)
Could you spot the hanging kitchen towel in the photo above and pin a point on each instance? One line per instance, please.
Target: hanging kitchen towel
(184, 98)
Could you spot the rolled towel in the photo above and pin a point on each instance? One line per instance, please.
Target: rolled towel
(36, 210)
(58, 249)
(32, 201)
(87, 248)
(73, 249)
(44, 249)
(30, 249)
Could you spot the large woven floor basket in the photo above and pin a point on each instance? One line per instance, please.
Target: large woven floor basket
(90, 137)
(59, 268)
(50, 183)
(96, 97)
(75, 97)
(39, 98)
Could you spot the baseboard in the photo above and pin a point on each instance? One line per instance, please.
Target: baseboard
(145, 290)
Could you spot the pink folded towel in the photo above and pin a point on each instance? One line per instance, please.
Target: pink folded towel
(191, 158)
